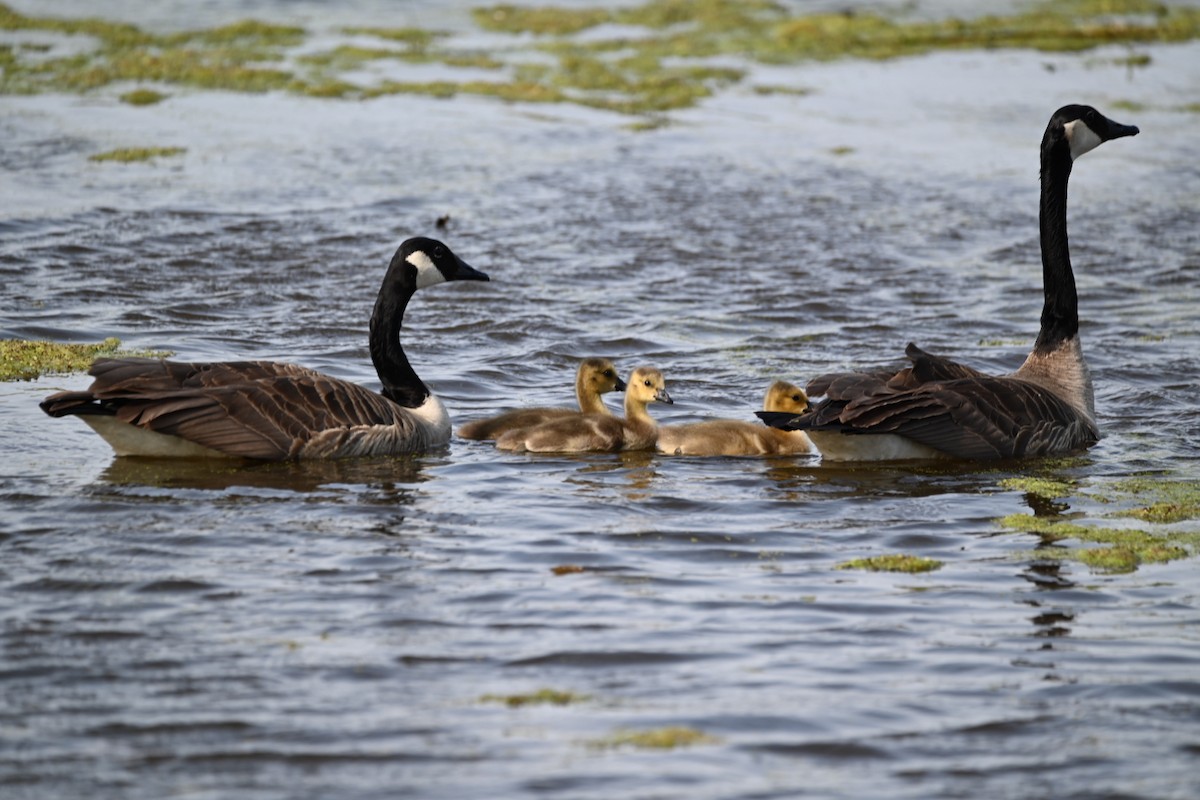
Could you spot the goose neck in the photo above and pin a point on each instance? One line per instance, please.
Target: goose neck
(1060, 313)
(400, 382)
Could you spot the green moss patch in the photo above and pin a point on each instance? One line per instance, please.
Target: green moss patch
(143, 97)
(1115, 549)
(1046, 488)
(666, 65)
(667, 738)
(898, 562)
(540, 697)
(126, 155)
(24, 360)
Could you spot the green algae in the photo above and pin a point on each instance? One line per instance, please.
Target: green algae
(143, 97)
(540, 697)
(126, 155)
(1046, 488)
(25, 360)
(652, 59)
(898, 562)
(1121, 549)
(667, 738)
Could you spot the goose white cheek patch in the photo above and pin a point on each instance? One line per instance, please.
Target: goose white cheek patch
(427, 273)
(1080, 137)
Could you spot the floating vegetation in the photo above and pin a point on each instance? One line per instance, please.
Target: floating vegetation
(667, 738)
(126, 155)
(540, 697)
(143, 97)
(567, 569)
(1046, 488)
(898, 562)
(1107, 548)
(24, 360)
(666, 65)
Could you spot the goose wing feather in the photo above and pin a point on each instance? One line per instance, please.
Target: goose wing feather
(254, 409)
(947, 406)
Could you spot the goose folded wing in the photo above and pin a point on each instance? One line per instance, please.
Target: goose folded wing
(252, 409)
(978, 418)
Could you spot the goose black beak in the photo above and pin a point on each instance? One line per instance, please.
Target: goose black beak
(465, 272)
(1116, 130)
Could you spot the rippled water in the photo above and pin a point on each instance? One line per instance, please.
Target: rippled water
(336, 629)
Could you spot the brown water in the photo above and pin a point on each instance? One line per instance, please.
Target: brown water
(311, 631)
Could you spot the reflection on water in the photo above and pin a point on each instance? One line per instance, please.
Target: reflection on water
(316, 630)
(391, 474)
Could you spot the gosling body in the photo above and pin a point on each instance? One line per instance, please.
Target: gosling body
(594, 378)
(729, 437)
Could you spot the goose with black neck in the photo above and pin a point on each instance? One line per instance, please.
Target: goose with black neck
(277, 411)
(937, 408)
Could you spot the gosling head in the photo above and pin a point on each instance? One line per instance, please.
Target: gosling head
(598, 375)
(1082, 128)
(428, 261)
(785, 397)
(646, 385)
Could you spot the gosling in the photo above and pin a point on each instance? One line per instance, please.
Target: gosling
(599, 433)
(595, 377)
(728, 437)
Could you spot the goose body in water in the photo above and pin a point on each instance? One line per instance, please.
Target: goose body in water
(599, 432)
(937, 408)
(275, 411)
(595, 377)
(733, 437)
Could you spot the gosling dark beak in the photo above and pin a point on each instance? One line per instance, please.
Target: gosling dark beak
(662, 397)
(620, 385)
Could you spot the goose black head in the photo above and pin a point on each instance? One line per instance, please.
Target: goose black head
(435, 262)
(1082, 128)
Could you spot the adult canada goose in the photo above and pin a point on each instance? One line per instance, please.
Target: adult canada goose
(269, 410)
(733, 437)
(595, 377)
(599, 432)
(938, 408)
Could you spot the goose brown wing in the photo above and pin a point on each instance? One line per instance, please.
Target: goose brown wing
(254, 409)
(975, 418)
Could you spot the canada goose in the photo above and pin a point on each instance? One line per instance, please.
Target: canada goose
(274, 411)
(595, 376)
(731, 437)
(937, 408)
(599, 432)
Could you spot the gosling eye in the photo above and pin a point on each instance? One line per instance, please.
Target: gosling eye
(608, 373)
(796, 398)
(649, 382)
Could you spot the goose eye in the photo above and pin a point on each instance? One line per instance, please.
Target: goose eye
(438, 252)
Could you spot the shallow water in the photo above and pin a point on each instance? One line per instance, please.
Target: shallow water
(336, 629)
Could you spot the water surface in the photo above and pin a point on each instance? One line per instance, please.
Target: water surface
(337, 629)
